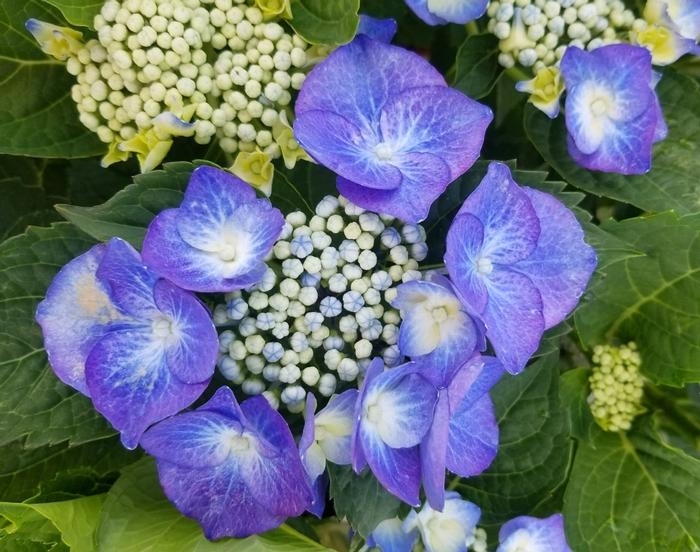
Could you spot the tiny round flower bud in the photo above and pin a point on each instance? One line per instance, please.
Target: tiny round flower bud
(335, 224)
(327, 384)
(348, 370)
(229, 368)
(363, 348)
(237, 350)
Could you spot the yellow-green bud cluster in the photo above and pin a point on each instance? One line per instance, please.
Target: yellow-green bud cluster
(535, 33)
(216, 63)
(322, 310)
(616, 386)
(477, 541)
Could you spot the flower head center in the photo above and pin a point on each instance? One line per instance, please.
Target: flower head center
(484, 265)
(162, 327)
(239, 443)
(599, 107)
(520, 541)
(383, 151)
(227, 251)
(439, 314)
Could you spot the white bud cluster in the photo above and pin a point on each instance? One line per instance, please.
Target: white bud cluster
(535, 33)
(616, 386)
(234, 71)
(322, 311)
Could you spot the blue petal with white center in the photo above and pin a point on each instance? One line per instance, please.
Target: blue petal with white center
(249, 478)
(394, 411)
(518, 260)
(448, 530)
(215, 240)
(610, 110)
(396, 135)
(530, 534)
(434, 322)
(75, 314)
(440, 12)
(390, 536)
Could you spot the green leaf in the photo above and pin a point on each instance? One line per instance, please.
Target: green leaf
(529, 472)
(138, 518)
(477, 68)
(324, 22)
(38, 117)
(573, 391)
(652, 297)
(59, 472)
(34, 403)
(672, 182)
(302, 187)
(128, 213)
(361, 498)
(632, 492)
(75, 520)
(78, 12)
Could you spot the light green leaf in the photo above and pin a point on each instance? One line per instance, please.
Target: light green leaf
(573, 391)
(128, 213)
(361, 498)
(138, 518)
(78, 12)
(651, 298)
(530, 470)
(324, 22)
(75, 520)
(672, 182)
(34, 403)
(38, 117)
(477, 68)
(632, 492)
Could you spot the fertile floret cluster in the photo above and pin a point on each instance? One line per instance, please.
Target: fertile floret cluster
(616, 386)
(535, 33)
(322, 310)
(216, 63)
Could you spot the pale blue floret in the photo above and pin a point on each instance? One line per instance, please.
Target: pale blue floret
(440, 12)
(530, 534)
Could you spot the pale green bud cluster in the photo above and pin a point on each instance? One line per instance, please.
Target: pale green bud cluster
(616, 386)
(535, 33)
(216, 63)
(477, 541)
(323, 309)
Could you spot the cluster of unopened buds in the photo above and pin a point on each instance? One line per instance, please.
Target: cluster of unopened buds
(536, 33)
(617, 386)
(323, 308)
(201, 68)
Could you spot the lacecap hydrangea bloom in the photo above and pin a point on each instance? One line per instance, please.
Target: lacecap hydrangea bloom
(517, 260)
(612, 112)
(396, 136)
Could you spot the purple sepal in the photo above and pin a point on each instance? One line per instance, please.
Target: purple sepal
(518, 260)
(611, 110)
(382, 30)
(441, 12)
(217, 239)
(541, 535)
(395, 136)
(250, 478)
(390, 536)
(75, 314)
(393, 413)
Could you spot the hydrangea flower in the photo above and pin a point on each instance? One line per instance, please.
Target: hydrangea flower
(612, 112)
(545, 90)
(446, 530)
(434, 322)
(59, 42)
(326, 437)
(681, 16)
(218, 237)
(234, 468)
(439, 12)
(530, 534)
(415, 420)
(141, 348)
(397, 135)
(518, 260)
(389, 535)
